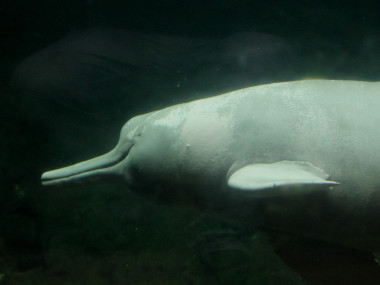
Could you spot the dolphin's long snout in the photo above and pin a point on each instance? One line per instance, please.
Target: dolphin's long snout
(99, 168)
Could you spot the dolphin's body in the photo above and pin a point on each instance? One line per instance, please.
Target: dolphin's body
(260, 155)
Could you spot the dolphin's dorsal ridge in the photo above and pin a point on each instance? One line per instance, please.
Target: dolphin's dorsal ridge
(280, 177)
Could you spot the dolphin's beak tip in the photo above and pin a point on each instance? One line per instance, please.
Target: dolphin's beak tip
(45, 176)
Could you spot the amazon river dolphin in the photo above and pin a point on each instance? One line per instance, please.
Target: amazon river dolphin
(299, 157)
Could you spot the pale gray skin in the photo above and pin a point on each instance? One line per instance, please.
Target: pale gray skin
(189, 154)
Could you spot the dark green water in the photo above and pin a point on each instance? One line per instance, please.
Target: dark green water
(103, 234)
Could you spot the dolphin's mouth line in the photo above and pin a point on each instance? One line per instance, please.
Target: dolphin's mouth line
(91, 168)
(43, 179)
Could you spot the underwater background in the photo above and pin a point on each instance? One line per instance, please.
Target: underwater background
(73, 72)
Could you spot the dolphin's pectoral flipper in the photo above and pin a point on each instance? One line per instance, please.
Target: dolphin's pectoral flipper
(277, 178)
